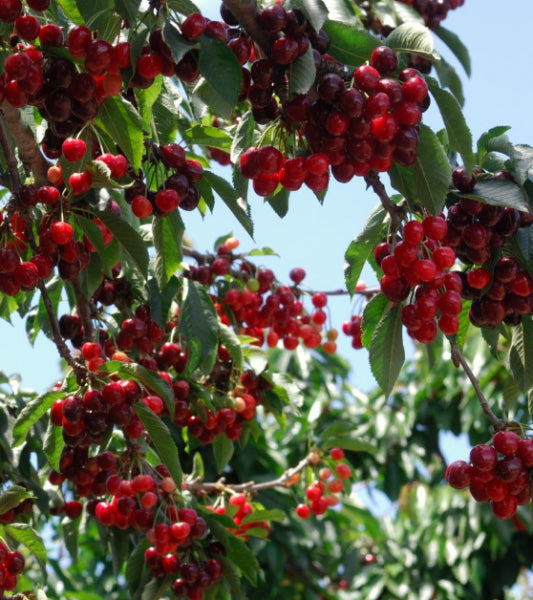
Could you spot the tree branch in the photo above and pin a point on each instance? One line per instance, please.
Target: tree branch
(250, 487)
(373, 181)
(28, 150)
(84, 309)
(459, 359)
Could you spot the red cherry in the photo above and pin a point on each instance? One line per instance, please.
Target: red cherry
(303, 511)
(61, 232)
(80, 182)
(141, 206)
(194, 26)
(458, 474)
(51, 35)
(506, 442)
(74, 149)
(78, 40)
(149, 65)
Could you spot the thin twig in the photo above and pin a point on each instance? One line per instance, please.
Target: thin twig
(373, 181)
(458, 357)
(84, 310)
(250, 487)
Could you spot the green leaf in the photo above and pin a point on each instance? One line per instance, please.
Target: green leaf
(238, 206)
(449, 79)
(27, 536)
(412, 38)
(135, 566)
(243, 138)
(168, 235)
(372, 315)
(129, 239)
(220, 68)
(487, 136)
(244, 558)
(432, 172)
(347, 442)
(231, 575)
(274, 514)
(128, 9)
(199, 324)
(456, 46)
(401, 179)
(31, 413)
(148, 97)
(121, 121)
(279, 201)
(362, 247)
(498, 192)
(302, 73)
(521, 354)
(522, 246)
(162, 440)
(207, 135)
(185, 7)
(522, 163)
(230, 341)
(70, 8)
(459, 136)
(151, 381)
(386, 353)
(156, 587)
(12, 497)
(342, 11)
(53, 445)
(223, 451)
(179, 46)
(70, 530)
(348, 45)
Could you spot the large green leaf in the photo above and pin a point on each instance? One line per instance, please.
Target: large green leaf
(459, 136)
(362, 247)
(456, 46)
(31, 413)
(348, 45)
(372, 315)
(244, 558)
(130, 240)
(162, 440)
(412, 38)
(121, 121)
(199, 324)
(238, 206)
(386, 352)
(167, 234)
(520, 356)
(499, 192)
(220, 68)
(432, 172)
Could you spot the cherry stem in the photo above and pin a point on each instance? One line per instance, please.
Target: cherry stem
(250, 487)
(458, 358)
(372, 180)
(245, 11)
(62, 348)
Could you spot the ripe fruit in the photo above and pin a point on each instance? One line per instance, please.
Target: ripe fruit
(74, 149)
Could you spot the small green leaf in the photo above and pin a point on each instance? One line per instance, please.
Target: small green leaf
(53, 445)
(238, 206)
(206, 135)
(129, 239)
(302, 73)
(70, 530)
(362, 247)
(121, 121)
(31, 413)
(162, 440)
(230, 341)
(274, 514)
(347, 442)
(348, 45)
(167, 234)
(244, 558)
(412, 38)
(12, 497)
(459, 136)
(70, 8)
(521, 354)
(223, 451)
(432, 172)
(199, 324)
(243, 138)
(456, 46)
(487, 136)
(27, 536)
(220, 68)
(499, 192)
(386, 353)
(280, 201)
(522, 163)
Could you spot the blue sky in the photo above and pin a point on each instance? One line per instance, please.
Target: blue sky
(315, 237)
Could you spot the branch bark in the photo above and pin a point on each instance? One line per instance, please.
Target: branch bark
(373, 181)
(28, 150)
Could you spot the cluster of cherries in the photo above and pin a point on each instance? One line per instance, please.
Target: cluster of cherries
(420, 262)
(352, 328)
(13, 514)
(11, 565)
(498, 473)
(322, 493)
(433, 11)
(241, 512)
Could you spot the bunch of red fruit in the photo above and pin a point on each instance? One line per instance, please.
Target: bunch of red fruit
(11, 565)
(352, 328)
(420, 263)
(433, 11)
(498, 473)
(240, 510)
(322, 493)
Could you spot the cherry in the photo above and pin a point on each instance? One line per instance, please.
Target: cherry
(149, 65)
(384, 59)
(98, 57)
(506, 442)
(51, 35)
(458, 474)
(38, 5)
(303, 511)
(194, 26)
(61, 232)
(273, 19)
(78, 41)
(415, 89)
(366, 78)
(270, 159)
(285, 50)
(483, 457)
(141, 206)
(505, 508)
(80, 182)
(17, 65)
(173, 156)
(74, 149)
